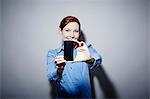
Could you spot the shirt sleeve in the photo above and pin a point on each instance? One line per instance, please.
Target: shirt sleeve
(95, 55)
(51, 66)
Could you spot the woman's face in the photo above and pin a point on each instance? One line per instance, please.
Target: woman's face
(70, 31)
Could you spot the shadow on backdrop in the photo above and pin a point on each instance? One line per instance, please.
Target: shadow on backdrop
(106, 85)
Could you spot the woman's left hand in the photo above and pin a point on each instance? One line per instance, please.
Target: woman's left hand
(83, 53)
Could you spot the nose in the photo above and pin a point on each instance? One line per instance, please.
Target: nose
(72, 34)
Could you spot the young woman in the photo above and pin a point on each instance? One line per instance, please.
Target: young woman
(73, 79)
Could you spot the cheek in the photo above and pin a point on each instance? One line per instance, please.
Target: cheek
(77, 35)
(64, 34)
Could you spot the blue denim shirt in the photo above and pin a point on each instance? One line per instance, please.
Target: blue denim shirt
(75, 80)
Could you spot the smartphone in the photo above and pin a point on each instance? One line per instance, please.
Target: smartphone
(68, 50)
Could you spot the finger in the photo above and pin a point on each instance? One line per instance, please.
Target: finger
(81, 43)
(81, 49)
(58, 62)
(57, 57)
(61, 61)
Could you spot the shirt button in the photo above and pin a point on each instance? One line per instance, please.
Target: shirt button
(70, 67)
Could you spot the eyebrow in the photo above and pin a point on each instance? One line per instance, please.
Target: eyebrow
(69, 28)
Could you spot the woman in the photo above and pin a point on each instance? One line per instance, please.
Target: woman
(73, 79)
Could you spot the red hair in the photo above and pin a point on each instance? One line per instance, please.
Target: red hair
(67, 20)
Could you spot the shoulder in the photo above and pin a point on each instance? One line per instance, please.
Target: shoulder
(55, 51)
(52, 52)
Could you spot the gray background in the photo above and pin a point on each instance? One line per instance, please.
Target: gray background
(118, 29)
(0, 46)
(149, 41)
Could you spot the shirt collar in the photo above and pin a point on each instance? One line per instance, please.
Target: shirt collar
(61, 48)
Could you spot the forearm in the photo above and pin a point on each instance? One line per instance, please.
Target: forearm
(52, 74)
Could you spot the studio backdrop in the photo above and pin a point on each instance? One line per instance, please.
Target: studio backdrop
(117, 29)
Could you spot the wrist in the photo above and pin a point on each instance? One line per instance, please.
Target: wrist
(90, 61)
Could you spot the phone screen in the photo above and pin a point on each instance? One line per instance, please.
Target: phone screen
(68, 50)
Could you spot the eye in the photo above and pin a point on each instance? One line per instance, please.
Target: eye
(76, 30)
(67, 30)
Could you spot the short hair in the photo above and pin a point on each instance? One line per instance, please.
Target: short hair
(67, 20)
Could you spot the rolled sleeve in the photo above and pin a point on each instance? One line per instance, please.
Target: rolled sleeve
(51, 66)
(95, 55)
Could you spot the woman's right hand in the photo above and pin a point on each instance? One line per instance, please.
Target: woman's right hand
(60, 62)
